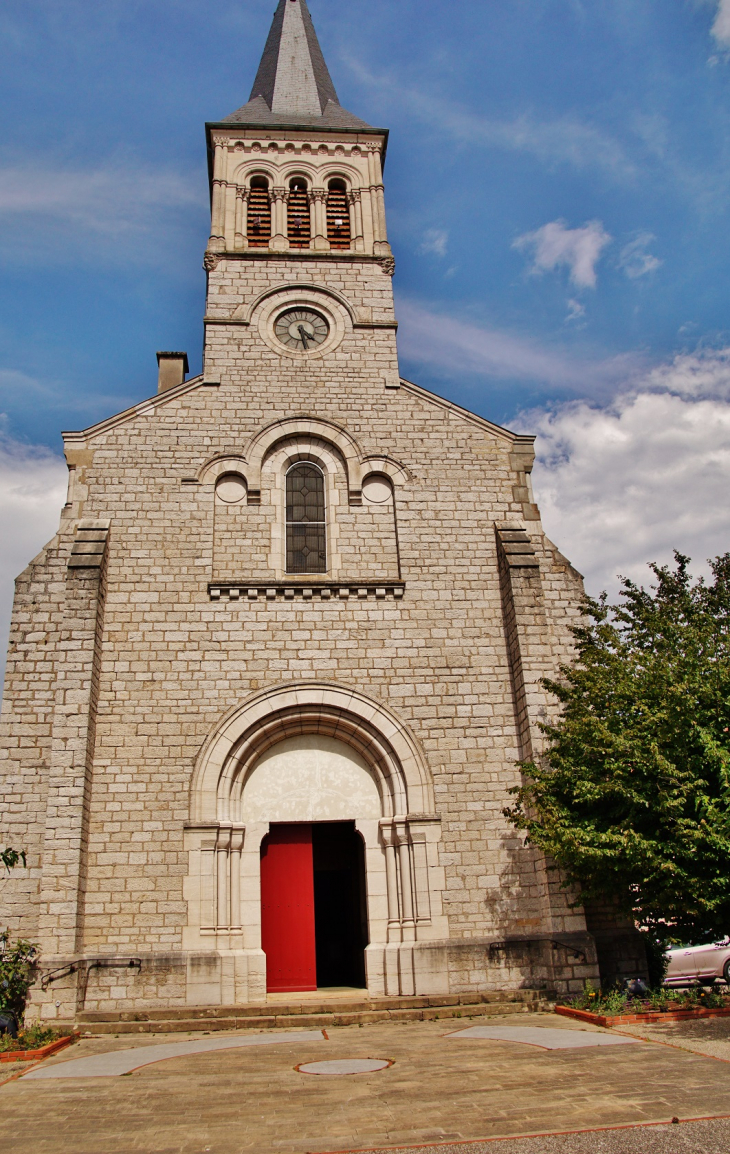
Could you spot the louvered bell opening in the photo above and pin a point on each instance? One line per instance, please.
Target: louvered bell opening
(338, 218)
(298, 220)
(259, 216)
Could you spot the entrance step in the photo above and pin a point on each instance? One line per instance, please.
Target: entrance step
(310, 1014)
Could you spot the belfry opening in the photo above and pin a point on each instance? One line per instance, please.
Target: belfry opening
(313, 907)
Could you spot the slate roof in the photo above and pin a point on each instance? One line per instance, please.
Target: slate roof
(293, 85)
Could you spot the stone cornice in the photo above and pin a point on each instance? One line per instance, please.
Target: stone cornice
(293, 589)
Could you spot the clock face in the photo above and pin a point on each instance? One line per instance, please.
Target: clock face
(301, 329)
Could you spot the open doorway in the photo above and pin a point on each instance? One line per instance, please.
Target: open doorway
(340, 909)
(313, 906)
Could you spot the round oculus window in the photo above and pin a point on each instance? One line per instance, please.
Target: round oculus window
(301, 330)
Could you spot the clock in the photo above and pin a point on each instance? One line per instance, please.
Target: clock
(301, 329)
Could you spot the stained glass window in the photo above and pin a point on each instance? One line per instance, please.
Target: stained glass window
(306, 529)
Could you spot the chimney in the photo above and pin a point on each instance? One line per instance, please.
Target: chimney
(172, 369)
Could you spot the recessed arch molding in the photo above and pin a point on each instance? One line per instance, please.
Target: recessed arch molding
(249, 463)
(379, 736)
(404, 876)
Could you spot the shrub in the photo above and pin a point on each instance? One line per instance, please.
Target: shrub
(31, 1039)
(17, 973)
(662, 1000)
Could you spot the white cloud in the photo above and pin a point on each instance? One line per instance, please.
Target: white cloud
(453, 346)
(624, 485)
(32, 492)
(634, 259)
(435, 241)
(576, 311)
(563, 140)
(721, 27)
(703, 376)
(108, 207)
(579, 249)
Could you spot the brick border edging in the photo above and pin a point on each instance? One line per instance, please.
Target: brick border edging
(634, 1019)
(37, 1055)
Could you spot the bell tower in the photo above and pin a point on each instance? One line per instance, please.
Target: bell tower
(298, 221)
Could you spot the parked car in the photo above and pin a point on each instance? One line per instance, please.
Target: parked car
(705, 964)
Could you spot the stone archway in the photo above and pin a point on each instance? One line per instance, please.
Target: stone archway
(395, 817)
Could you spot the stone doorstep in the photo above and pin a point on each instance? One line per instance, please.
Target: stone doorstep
(309, 1021)
(329, 1007)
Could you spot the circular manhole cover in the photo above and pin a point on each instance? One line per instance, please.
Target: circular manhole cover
(345, 1066)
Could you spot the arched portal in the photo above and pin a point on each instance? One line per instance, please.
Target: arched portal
(315, 754)
(311, 789)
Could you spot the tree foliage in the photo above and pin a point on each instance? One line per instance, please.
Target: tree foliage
(17, 973)
(12, 857)
(632, 797)
(18, 959)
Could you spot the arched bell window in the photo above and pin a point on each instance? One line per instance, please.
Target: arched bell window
(259, 213)
(306, 525)
(338, 215)
(298, 219)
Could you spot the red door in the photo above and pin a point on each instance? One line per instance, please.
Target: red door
(287, 909)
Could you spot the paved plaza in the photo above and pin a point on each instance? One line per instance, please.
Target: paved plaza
(442, 1083)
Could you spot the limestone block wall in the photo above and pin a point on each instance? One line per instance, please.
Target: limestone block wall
(173, 660)
(28, 707)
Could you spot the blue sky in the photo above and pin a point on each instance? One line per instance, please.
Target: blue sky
(557, 186)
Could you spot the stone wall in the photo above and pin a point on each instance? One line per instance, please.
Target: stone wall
(447, 603)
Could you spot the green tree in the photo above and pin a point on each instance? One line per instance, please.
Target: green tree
(631, 799)
(17, 973)
(17, 959)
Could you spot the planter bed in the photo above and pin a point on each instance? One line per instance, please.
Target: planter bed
(36, 1055)
(646, 1016)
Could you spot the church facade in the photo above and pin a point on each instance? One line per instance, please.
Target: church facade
(268, 685)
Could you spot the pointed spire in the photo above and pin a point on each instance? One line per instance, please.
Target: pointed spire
(293, 77)
(293, 84)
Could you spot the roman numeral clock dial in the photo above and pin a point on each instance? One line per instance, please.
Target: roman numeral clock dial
(301, 329)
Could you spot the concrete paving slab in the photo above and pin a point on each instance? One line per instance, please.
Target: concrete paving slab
(118, 1062)
(544, 1037)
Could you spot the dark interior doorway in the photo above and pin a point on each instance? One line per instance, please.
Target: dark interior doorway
(340, 906)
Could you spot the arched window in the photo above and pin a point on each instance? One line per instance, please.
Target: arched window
(298, 219)
(338, 215)
(306, 529)
(259, 213)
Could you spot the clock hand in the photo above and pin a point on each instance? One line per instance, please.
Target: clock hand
(304, 335)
